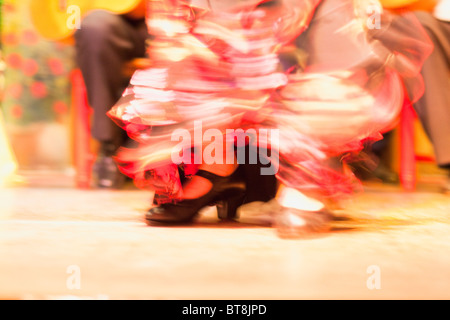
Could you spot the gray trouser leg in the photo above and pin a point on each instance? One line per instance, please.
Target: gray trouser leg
(104, 44)
(433, 108)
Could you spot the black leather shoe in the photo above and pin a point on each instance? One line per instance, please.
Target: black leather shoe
(227, 209)
(381, 172)
(226, 190)
(106, 173)
(386, 175)
(446, 186)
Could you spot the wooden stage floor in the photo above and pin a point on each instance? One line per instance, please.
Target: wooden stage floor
(64, 243)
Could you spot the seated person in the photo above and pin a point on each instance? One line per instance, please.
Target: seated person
(433, 108)
(105, 43)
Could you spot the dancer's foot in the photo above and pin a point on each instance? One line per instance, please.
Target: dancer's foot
(300, 216)
(198, 186)
(293, 223)
(225, 189)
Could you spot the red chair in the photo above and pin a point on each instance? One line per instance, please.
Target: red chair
(408, 177)
(83, 156)
(408, 155)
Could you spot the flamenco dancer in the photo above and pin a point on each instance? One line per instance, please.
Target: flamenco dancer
(308, 81)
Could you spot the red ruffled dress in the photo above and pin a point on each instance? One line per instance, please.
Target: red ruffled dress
(221, 70)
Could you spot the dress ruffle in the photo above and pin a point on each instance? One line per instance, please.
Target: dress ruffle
(343, 84)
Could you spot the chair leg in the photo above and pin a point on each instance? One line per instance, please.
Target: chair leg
(83, 156)
(407, 151)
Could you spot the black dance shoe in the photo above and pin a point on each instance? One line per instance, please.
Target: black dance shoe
(226, 192)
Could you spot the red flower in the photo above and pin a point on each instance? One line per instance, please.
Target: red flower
(60, 46)
(8, 8)
(10, 39)
(16, 111)
(56, 66)
(60, 107)
(14, 60)
(30, 37)
(15, 90)
(30, 67)
(38, 90)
